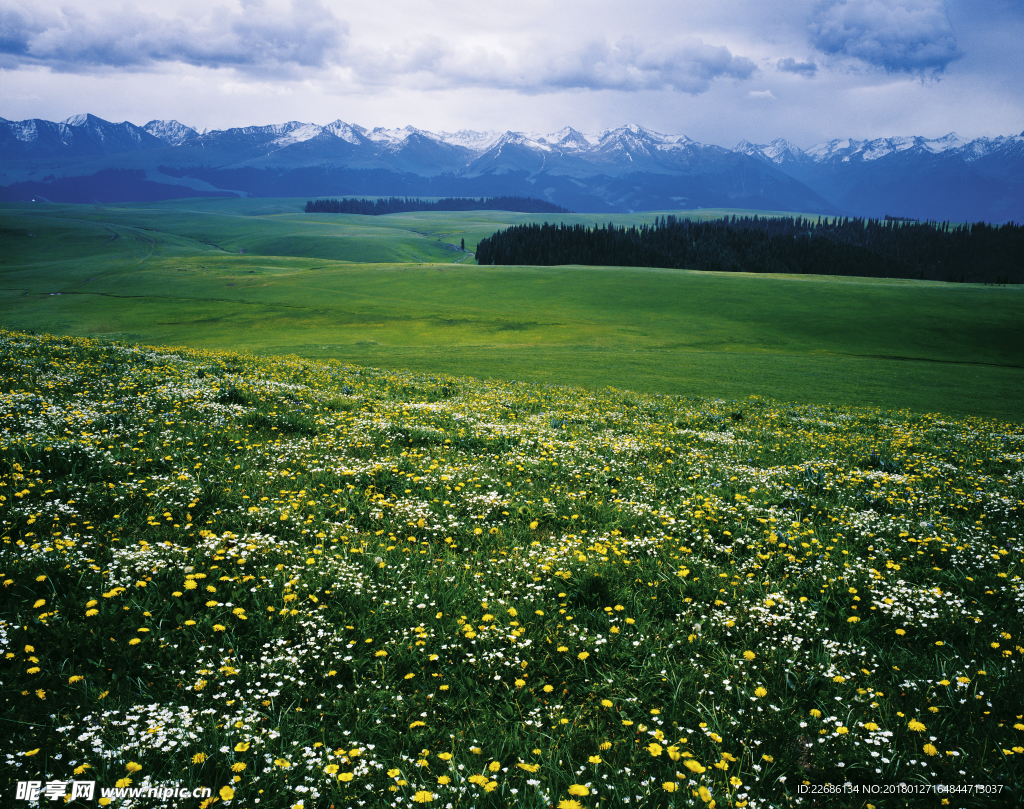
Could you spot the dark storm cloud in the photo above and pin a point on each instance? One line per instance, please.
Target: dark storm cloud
(258, 38)
(791, 65)
(900, 36)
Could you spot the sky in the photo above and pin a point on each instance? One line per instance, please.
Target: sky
(720, 72)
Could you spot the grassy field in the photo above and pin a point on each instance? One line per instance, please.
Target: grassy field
(301, 584)
(395, 292)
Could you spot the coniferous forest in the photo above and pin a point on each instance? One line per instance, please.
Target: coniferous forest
(882, 248)
(380, 207)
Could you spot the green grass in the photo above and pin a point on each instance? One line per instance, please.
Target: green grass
(317, 584)
(388, 292)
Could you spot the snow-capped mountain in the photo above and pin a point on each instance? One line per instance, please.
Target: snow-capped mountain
(626, 168)
(926, 178)
(170, 132)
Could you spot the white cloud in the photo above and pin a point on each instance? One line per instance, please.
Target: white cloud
(686, 65)
(258, 38)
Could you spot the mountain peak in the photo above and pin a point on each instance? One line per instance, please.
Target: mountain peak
(170, 132)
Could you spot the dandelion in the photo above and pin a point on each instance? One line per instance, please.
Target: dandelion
(748, 655)
(670, 786)
(915, 725)
(760, 691)
(568, 803)
(578, 790)
(423, 796)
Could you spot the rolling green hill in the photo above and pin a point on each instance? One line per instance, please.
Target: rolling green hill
(395, 292)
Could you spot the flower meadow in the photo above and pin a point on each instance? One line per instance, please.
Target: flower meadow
(313, 584)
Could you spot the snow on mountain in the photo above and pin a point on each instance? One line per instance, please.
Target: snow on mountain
(170, 132)
(296, 132)
(351, 133)
(470, 139)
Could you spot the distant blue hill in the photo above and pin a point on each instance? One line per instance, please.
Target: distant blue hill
(84, 159)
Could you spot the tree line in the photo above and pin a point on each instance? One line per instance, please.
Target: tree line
(889, 248)
(379, 207)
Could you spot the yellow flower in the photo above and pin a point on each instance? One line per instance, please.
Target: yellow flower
(870, 726)
(241, 747)
(694, 766)
(423, 796)
(33, 752)
(219, 627)
(331, 769)
(443, 779)
(226, 793)
(704, 794)
(346, 776)
(901, 632)
(930, 749)
(33, 670)
(748, 655)
(134, 642)
(199, 758)
(654, 749)
(842, 730)
(594, 759)
(133, 766)
(569, 804)
(913, 724)
(578, 789)
(40, 603)
(238, 766)
(583, 655)
(760, 691)
(77, 678)
(528, 767)
(121, 783)
(670, 786)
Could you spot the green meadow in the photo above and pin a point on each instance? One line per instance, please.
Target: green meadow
(311, 584)
(310, 511)
(396, 292)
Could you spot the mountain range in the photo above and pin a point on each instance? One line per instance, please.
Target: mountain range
(88, 159)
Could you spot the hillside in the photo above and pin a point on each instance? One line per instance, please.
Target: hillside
(396, 291)
(276, 576)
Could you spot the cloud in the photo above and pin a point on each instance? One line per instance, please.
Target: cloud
(763, 95)
(259, 38)
(684, 65)
(791, 65)
(900, 36)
